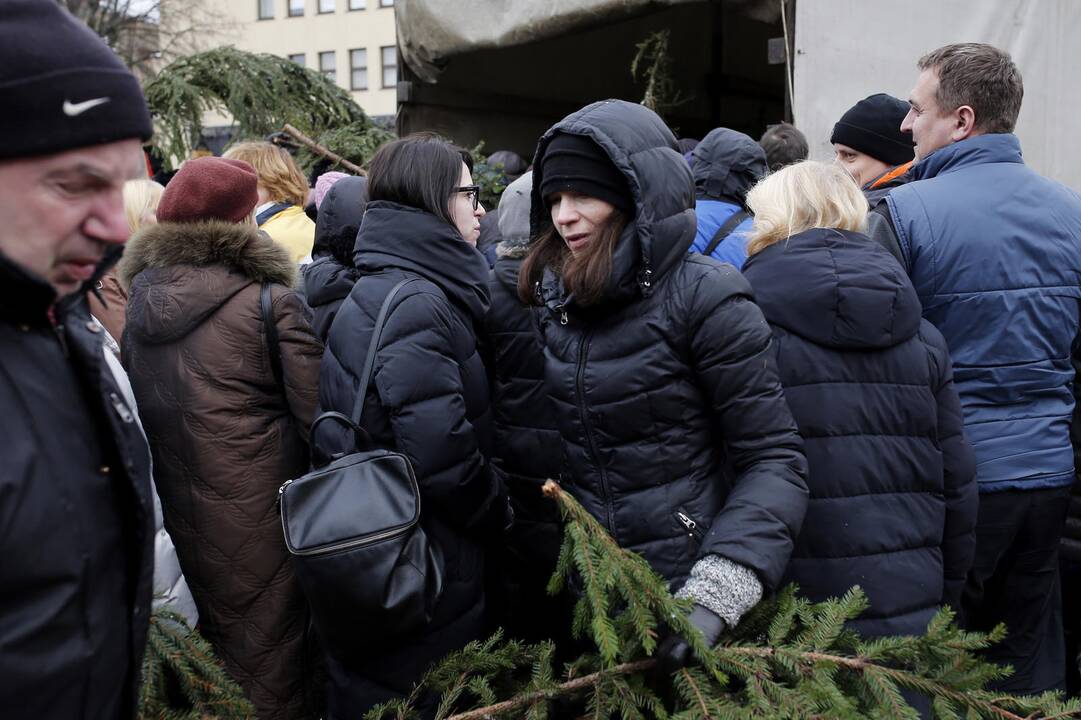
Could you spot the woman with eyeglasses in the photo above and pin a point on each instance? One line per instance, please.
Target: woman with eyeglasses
(428, 398)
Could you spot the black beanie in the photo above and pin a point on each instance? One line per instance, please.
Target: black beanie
(62, 87)
(873, 127)
(576, 163)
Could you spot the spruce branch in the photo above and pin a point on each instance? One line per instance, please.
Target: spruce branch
(262, 93)
(567, 689)
(182, 679)
(653, 64)
(789, 657)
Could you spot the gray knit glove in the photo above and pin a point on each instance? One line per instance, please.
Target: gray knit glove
(722, 591)
(724, 587)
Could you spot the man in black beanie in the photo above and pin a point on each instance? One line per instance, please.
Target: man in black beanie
(76, 533)
(868, 143)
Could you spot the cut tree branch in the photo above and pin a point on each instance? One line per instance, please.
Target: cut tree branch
(570, 687)
(323, 150)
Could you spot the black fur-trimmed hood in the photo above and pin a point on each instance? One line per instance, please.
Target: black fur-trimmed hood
(178, 274)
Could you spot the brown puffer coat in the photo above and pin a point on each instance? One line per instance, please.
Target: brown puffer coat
(224, 437)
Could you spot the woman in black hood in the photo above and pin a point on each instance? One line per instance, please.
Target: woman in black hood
(428, 398)
(331, 274)
(677, 435)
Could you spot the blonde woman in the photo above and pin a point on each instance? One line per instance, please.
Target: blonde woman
(892, 479)
(108, 302)
(282, 194)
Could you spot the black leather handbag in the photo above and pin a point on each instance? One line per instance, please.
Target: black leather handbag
(359, 553)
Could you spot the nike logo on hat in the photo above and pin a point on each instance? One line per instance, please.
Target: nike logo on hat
(72, 109)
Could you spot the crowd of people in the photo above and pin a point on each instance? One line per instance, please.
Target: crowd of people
(753, 369)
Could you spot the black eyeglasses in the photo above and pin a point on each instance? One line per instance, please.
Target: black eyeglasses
(474, 194)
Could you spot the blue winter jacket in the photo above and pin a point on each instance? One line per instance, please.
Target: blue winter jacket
(711, 215)
(994, 251)
(726, 165)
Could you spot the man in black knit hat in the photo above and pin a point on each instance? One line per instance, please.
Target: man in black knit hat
(76, 533)
(869, 145)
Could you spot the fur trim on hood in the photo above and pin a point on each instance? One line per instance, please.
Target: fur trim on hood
(241, 247)
(507, 249)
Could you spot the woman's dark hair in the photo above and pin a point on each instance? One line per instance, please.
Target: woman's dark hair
(585, 275)
(421, 170)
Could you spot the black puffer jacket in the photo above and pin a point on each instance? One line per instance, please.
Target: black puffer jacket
(666, 394)
(76, 516)
(331, 275)
(428, 400)
(892, 479)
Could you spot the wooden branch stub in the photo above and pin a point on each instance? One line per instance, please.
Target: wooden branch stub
(322, 150)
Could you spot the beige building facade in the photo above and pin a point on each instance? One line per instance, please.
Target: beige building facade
(352, 41)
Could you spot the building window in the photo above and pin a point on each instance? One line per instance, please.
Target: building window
(299, 59)
(326, 6)
(358, 66)
(296, 8)
(358, 4)
(266, 9)
(390, 66)
(386, 3)
(328, 65)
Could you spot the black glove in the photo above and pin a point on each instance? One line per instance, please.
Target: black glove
(674, 652)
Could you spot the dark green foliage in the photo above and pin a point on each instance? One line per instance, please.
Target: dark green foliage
(182, 680)
(653, 66)
(356, 143)
(789, 658)
(262, 93)
(490, 177)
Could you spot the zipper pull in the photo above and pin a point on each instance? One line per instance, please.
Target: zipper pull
(689, 523)
(285, 484)
(121, 408)
(563, 318)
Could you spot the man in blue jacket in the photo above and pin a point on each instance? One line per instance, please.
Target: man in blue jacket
(994, 251)
(726, 165)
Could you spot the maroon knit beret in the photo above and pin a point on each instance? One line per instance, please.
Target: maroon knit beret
(210, 188)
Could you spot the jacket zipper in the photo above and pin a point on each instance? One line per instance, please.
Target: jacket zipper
(328, 549)
(121, 408)
(583, 351)
(688, 522)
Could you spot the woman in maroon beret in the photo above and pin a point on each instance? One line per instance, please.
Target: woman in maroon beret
(227, 413)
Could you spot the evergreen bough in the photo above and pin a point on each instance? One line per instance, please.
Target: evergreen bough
(789, 658)
(182, 680)
(262, 93)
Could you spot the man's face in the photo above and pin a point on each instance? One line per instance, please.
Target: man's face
(62, 212)
(931, 127)
(862, 167)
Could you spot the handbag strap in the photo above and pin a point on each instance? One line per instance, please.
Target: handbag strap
(725, 230)
(266, 308)
(373, 348)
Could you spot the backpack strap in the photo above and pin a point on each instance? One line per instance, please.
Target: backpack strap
(725, 230)
(373, 348)
(266, 308)
(271, 212)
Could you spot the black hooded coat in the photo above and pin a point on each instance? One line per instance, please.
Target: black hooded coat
(666, 392)
(331, 274)
(428, 400)
(892, 479)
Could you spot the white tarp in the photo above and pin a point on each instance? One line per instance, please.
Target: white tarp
(432, 31)
(849, 49)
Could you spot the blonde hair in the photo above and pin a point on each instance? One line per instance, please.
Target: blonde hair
(141, 198)
(799, 197)
(278, 173)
